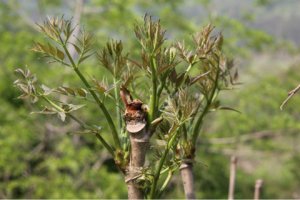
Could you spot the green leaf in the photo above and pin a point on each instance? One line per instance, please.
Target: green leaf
(51, 50)
(195, 79)
(60, 54)
(69, 90)
(71, 107)
(228, 108)
(84, 58)
(62, 91)
(45, 111)
(81, 92)
(20, 71)
(78, 50)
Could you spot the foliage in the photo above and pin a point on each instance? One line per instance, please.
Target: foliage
(159, 63)
(28, 176)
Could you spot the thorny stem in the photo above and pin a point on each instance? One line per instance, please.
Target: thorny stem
(81, 123)
(98, 101)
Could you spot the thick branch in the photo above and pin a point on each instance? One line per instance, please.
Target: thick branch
(186, 171)
(139, 145)
(139, 135)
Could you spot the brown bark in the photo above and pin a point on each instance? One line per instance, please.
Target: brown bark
(186, 171)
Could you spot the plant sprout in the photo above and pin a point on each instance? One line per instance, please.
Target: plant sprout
(154, 132)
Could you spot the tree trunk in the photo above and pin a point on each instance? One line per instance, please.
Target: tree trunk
(186, 171)
(136, 125)
(139, 145)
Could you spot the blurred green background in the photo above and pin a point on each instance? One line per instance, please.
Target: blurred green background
(40, 159)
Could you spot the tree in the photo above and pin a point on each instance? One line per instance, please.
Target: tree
(184, 86)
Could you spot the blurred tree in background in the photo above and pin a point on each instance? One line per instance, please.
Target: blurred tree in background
(39, 159)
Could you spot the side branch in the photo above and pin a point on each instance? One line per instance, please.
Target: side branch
(290, 95)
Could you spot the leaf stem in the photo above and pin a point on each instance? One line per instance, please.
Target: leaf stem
(161, 163)
(153, 97)
(99, 137)
(105, 144)
(98, 101)
(117, 97)
(58, 108)
(81, 123)
(166, 182)
(206, 109)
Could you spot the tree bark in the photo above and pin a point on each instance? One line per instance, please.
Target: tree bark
(139, 145)
(186, 171)
(139, 135)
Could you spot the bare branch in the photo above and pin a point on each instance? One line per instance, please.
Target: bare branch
(290, 95)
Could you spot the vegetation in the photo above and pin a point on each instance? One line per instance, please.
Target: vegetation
(43, 157)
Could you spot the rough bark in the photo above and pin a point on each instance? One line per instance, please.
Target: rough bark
(186, 171)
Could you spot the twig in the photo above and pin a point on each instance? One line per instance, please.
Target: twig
(290, 95)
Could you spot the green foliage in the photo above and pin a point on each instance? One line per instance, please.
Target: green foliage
(159, 62)
(27, 172)
(281, 128)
